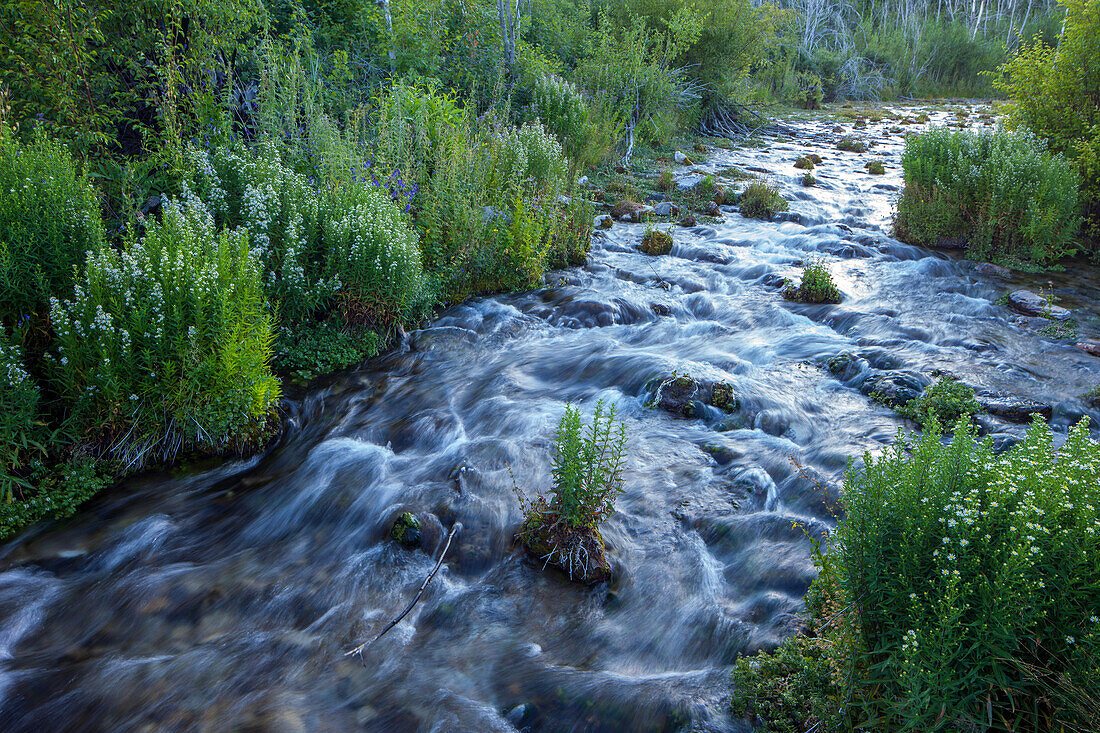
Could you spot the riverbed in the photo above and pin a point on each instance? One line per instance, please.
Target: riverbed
(227, 599)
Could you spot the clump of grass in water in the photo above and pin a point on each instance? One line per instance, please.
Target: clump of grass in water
(656, 242)
(817, 285)
(761, 201)
(563, 528)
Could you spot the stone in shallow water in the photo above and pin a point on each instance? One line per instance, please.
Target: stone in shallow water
(1089, 346)
(1012, 408)
(991, 270)
(1031, 304)
(406, 530)
(892, 388)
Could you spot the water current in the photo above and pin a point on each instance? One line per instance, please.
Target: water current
(226, 599)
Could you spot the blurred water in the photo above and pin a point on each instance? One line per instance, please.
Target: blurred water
(226, 600)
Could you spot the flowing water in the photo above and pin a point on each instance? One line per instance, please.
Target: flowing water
(227, 600)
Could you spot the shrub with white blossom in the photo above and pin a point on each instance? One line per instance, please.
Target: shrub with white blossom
(166, 346)
(961, 590)
(18, 417)
(49, 216)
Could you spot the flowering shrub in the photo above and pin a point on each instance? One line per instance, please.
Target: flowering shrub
(373, 254)
(49, 216)
(999, 194)
(166, 345)
(18, 415)
(963, 585)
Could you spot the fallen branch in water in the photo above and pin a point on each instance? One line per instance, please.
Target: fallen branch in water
(450, 535)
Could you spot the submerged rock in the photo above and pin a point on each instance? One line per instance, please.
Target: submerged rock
(990, 270)
(406, 530)
(1012, 408)
(1031, 304)
(892, 388)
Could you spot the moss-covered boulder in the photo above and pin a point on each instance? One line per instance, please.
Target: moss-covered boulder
(688, 397)
(406, 530)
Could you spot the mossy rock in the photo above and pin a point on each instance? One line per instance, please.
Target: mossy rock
(875, 168)
(851, 145)
(725, 398)
(804, 163)
(626, 209)
(579, 552)
(814, 158)
(656, 242)
(406, 530)
(809, 180)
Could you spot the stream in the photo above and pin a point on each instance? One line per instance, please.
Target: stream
(226, 599)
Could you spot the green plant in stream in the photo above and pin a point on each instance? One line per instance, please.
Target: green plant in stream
(999, 194)
(817, 285)
(761, 201)
(587, 471)
(946, 401)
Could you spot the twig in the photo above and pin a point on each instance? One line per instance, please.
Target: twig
(450, 535)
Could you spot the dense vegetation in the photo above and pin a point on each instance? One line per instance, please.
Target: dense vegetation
(999, 195)
(959, 591)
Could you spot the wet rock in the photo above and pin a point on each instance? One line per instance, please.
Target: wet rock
(604, 221)
(688, 221)
(520, 714)
(791, 216)
(660, 309)
(1013, 408)
(713, 210)
(845, 366)
(406, 530)
(626, 209)
(688, 396)
(1089, 346)
(680, 158)
(666, 208)
(1031, 304)
(892, 388)
(722, 454)
(1004, 441)
(988, 269)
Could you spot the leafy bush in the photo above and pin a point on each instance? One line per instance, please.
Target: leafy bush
(1053, 90)
(1001, 194)
(945, 401)
(52, 494)
(564, 110)
(166, 346)
(817, 285)
(19, 430)
(308, 350)
(49, 217)
(984, 573)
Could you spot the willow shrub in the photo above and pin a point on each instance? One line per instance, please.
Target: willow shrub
(166, 346)
(49, 217)
(965, 586)
(999, 194)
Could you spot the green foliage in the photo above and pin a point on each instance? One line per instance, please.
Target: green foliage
(876, 168)
(804, 163)
(851, 145)
(52, 494)
(49, 217)
(984, 571)
(809, 180)
(588, 466)
(20, 432)
(945, 402)
(656, 242)
(565, 112)
(166, 346)
(1054, 93)
(308, 350)
(1002, 194)
(761, 200)
(790, 690)
(817, 285)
